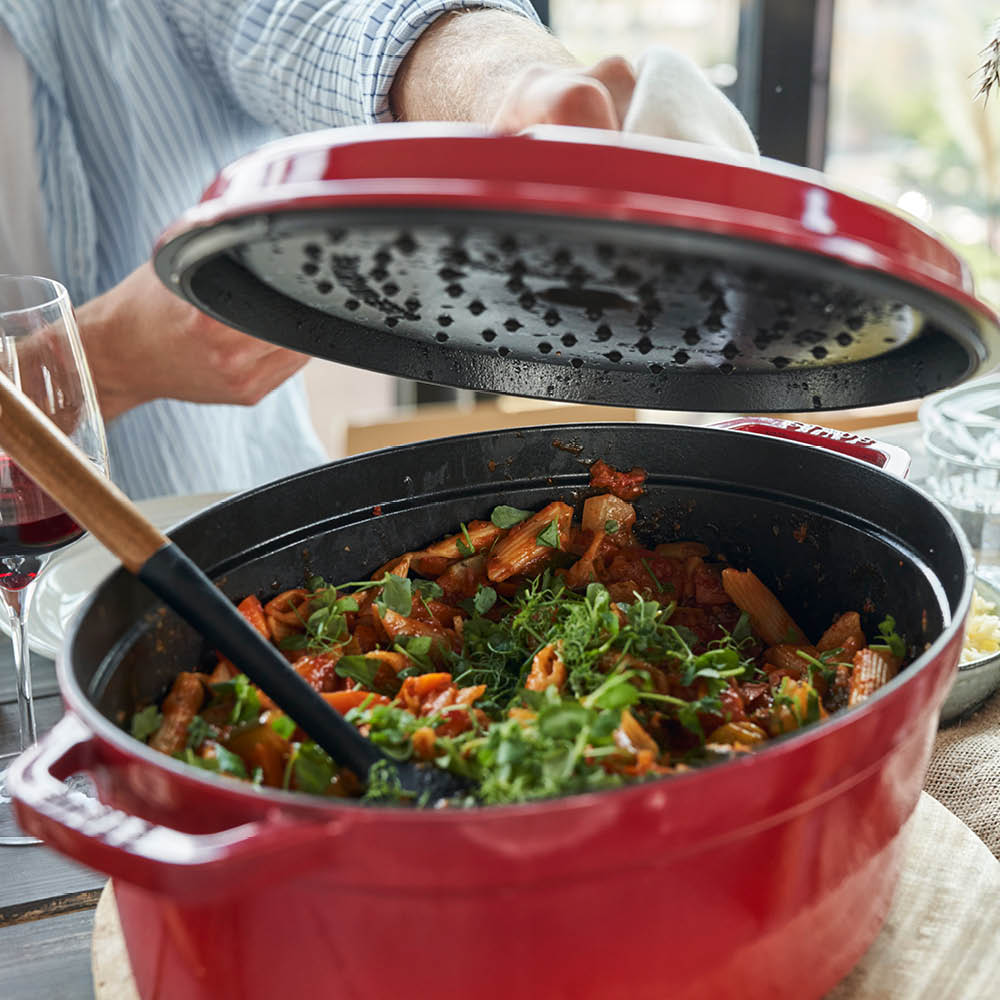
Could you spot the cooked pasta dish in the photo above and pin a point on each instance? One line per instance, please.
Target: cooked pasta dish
(534, 655)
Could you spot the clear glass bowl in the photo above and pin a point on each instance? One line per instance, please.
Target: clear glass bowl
(961, 429)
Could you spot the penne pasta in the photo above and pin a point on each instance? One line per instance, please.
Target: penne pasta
(179, 708)
(844, 634)
(526, 547)
(873, 668)
(767, 615)
(547, 670)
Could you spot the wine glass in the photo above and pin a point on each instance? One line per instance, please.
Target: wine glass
(41, 353)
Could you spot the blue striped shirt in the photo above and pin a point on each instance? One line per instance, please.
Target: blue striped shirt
(137, 104)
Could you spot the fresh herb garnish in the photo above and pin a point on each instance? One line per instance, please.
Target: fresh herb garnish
(611, 526)
(427, 589)
(219, 760)
(246, 704)
(506, 517)
(652, 575)
(283, 726)
(361, 669)
(549, 535)
(484, 600)
(397, 595)
(313, 768)
(418, 649)
(146, 722)
(465, 546)
(325, 626)
(893, 642)
(384, 786)
(817, 666)
(197, 732)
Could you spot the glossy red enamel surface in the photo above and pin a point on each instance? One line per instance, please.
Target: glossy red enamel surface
(584, 897)
(584, 172)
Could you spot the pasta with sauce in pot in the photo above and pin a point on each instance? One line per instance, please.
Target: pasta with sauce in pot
(535, 656)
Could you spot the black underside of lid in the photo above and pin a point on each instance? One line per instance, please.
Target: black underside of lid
(580, 310)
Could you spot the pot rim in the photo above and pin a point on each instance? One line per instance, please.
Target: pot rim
(302, 803)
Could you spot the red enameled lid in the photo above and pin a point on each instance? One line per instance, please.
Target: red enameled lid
(580, 265)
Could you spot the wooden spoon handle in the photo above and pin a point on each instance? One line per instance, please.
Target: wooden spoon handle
(66, 474)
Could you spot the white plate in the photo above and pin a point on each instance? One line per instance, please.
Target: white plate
(72, 573)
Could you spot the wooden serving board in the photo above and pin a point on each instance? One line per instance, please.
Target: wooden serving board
(939, 939)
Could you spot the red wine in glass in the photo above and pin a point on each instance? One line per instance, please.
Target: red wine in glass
(41, 353)
(39, 527)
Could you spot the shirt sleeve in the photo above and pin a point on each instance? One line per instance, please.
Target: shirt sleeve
(307, 64)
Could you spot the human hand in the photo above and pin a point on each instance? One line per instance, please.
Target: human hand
(596, 97)
(145, 343)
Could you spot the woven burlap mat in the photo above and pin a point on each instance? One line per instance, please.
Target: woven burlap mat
(964, 774)
(939, 941)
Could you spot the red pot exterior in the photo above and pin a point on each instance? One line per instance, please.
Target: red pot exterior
(765, 877)
(772, 874)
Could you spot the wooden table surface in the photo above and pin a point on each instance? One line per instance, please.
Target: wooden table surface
(46, 901)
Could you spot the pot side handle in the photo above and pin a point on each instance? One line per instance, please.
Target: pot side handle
(182, 865)
(887, 457)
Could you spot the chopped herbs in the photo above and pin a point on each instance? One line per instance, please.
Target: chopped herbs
(506, 517)
(652, 575)
(892, 641)
(358, 668)
(198, 731)
(246, 704)
(549, 535)
(146, 722)
(217, 758)
(484, 600)
(312, 768)
(465, 546)
(611, 526)
(397, 595)
(283, 726)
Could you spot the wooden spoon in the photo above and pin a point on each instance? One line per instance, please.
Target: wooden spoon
(96, 504)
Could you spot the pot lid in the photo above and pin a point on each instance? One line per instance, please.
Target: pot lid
(580, 265)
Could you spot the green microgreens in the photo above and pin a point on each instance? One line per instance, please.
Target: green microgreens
(283, 726)
(506, 517)
(817, 666)
(325, 625)
(313, 768)
(246, 704)
(465, 546)
(146, 722)
(660, 586)
(361, 669)
(219, 760)
(198, 731)
(396, 593)
(892, 641)
(549, 535)
(384, 786)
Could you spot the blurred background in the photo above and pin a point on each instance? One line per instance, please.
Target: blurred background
(881, 94)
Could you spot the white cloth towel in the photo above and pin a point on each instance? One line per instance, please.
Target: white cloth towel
(674, 99)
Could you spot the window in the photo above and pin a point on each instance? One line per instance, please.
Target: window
(705, 30)
(905, 124)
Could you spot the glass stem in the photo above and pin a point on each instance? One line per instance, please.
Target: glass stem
(17, 602)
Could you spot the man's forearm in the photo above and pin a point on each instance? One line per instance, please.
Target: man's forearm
(461, 67)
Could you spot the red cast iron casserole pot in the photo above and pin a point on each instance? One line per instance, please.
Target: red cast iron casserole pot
(766, 876)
